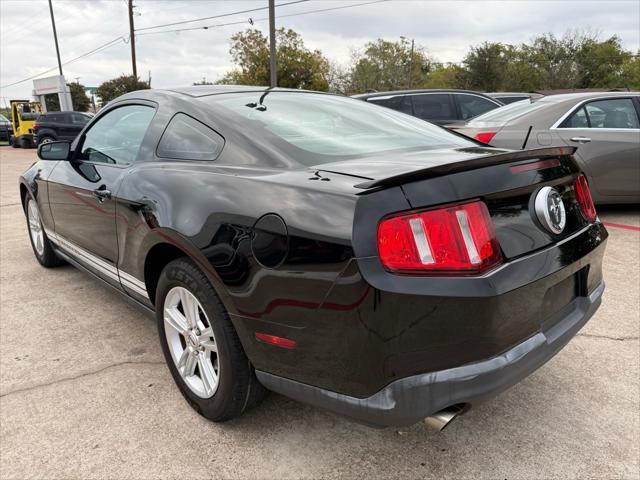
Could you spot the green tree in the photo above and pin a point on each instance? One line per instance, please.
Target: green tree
(630, 75)
(484, 66)
(600, 64)
(298, 67)
(387, 65)
(445, 76)
(111, 89)
(78, 97)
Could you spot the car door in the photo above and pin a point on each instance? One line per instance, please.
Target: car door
(607, 134)
(83, 191)
(62, 125)
(438, 108)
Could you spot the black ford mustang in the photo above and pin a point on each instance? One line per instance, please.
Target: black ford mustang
(340, 253)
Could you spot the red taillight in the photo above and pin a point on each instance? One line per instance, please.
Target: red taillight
(584, 199)
(456, 239)
(277, 341)
(484, 137)
(36, 126)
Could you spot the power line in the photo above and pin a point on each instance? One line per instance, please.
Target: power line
(207, 27)
(102, 47)
(219, 16)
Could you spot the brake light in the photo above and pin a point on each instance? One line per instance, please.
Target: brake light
(584, 199)
(456, 239)
(484, 137)
(36, 126)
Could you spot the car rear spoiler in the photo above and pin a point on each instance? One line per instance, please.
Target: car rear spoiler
(471, 164)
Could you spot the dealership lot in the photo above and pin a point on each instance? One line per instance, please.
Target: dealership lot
(84, 392)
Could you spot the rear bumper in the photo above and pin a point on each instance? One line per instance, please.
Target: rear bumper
(408, 400)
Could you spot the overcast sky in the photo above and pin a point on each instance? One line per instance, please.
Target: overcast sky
(445, 28)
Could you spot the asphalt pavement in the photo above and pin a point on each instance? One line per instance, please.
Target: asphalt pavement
(85, 393)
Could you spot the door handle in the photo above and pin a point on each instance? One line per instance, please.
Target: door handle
(102, 194)
(580, 139)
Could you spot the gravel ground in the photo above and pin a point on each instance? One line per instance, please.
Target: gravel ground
(84, 392)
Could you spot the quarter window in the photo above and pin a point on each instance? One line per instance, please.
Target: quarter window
(473, 105)
(188, 139)
(116, 137)
(79, 119)
(401, 103)
(613, 113)
(433, 106)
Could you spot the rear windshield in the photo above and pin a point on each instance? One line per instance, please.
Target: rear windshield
(509, 112)
(326, 127)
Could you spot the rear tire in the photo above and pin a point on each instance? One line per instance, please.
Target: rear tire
(202, 349)
(40, 243)
(46, 139)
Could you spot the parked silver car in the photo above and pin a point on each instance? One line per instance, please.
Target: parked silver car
(604, 126)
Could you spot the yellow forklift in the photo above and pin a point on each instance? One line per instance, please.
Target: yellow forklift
(23, 116)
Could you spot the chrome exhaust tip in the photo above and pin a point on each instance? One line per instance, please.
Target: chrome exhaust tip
(444, 417)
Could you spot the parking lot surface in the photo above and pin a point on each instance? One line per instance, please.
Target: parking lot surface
(84, 392)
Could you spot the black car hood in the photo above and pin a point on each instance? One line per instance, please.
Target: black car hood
(405, 166)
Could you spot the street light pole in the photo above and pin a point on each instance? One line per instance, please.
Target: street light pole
(272, 42)
(55, 36)
(132, 40)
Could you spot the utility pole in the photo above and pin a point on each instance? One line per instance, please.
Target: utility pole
(132, 40)
(411, 65)
(55, 36)
(64, 95)
(272, 42)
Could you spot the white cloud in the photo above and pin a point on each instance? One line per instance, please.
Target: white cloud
(445, 28)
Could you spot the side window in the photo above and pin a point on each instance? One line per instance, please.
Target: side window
(116, 137)
(401, 103)
(614, 113)
(78, 119)
(472, 105)
(577, 120)
(188, 139)
(433, 106)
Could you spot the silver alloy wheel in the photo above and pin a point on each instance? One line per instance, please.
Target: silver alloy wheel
(46, 140)
(35, 227)
(191, 342)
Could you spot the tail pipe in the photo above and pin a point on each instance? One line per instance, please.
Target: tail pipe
(444, 417)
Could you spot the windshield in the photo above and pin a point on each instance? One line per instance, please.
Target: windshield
(508, 112)
(330, 126)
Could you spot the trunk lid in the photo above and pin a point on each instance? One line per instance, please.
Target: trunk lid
(507, 181)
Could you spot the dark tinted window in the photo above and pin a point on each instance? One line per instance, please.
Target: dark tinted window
(614, 113)
(188, 139)
(53, 118)
(473, 105)
(433, 106)
(610, 113)
(79, 119)
(508, 100)
(116, 137)
(400, 103)
(577, 120)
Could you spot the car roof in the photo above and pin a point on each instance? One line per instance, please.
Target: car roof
(206, 90)
(495, 94)
(410, 92)
(566, 97)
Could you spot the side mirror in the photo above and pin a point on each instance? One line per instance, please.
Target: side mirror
(54, 150)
